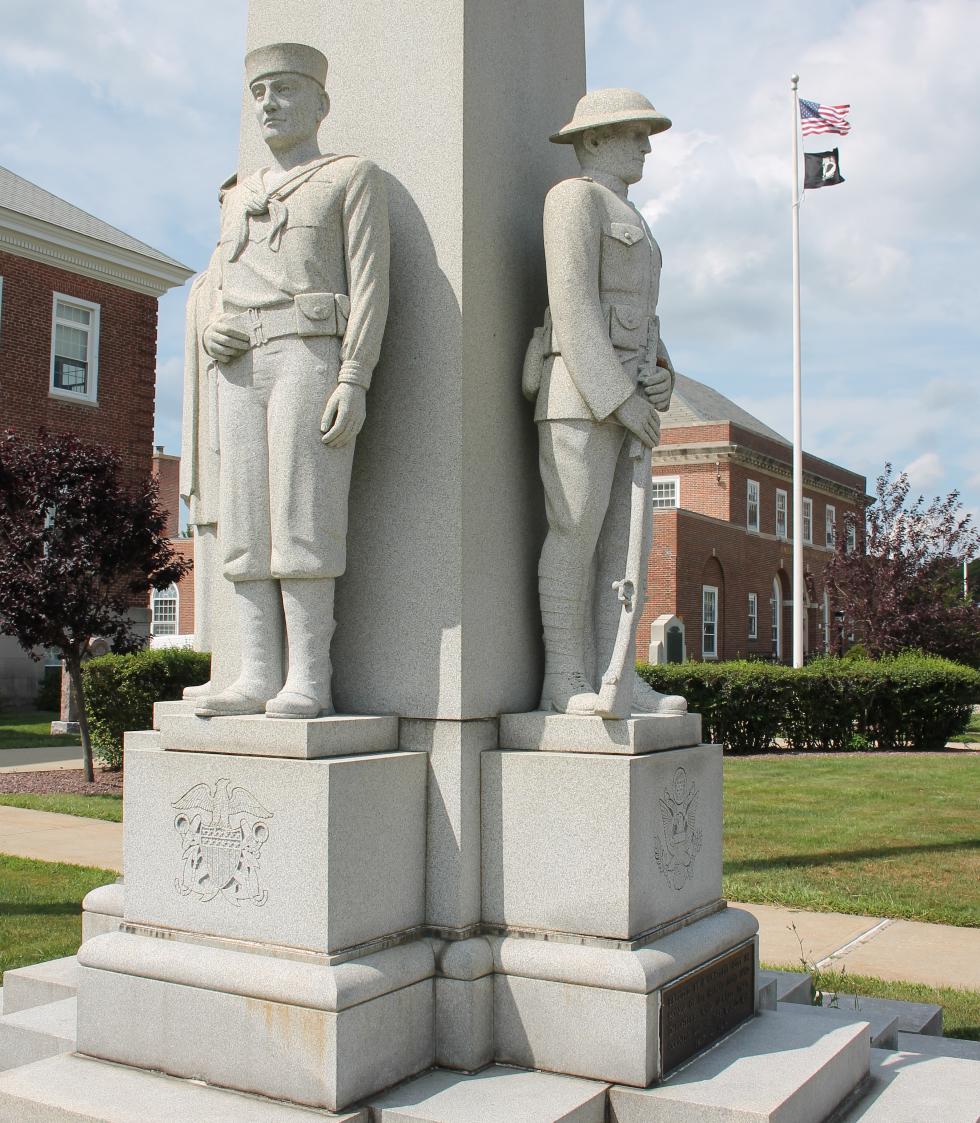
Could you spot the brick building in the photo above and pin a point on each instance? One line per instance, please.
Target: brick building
(722, 557)
(78, 335)
(172, 610)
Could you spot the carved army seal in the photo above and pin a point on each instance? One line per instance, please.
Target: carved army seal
(222, 830)
(682, 838)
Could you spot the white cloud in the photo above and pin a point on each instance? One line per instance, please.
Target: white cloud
(925, 471)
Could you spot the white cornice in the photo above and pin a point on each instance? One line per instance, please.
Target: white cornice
(709, 452)
(42, 241)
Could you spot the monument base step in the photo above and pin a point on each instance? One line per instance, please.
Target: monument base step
(76, 1089)
(495, 1095)
(781, 1066)
(883, 1031)
(913, 1017)
(934, 1046)
(791, 986)
(50, 981)
(914, 1088)
(541, 730)
(102, 910)
(37, 1032)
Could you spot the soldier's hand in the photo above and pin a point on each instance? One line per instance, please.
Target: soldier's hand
(222, 342)
(642, 420)
(344, 416)
(656, 385)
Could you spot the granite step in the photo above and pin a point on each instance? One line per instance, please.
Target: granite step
(913, 1017)
(780, 1067)
(934, 1046)
(37, 1032)
(791, 986)
(494, 1095)
(51, 981)
(915, 1088)
(883, 1031)
(76, 1089)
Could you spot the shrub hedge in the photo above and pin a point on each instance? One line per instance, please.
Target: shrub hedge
(907, 701)
(120, 691)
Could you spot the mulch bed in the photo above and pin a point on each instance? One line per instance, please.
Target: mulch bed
(61, 781)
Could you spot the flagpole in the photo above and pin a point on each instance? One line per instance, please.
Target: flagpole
(797, 396)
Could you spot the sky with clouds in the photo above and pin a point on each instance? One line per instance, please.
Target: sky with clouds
(129, 109)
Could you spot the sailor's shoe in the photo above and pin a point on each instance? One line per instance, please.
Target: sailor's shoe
(568, 692)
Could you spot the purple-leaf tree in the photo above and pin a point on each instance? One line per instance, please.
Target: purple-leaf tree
(78, 550)
(904, 589)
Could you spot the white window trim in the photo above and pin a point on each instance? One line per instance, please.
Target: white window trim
(1, 304)
(826, 620)
(808, 510)
(753, 616)
(709, 654)
(176, 604)
(91, 396)
(852, 538)
(676, 481)
(749, 484)
(784, 533)
(830, 526)
(776, 604)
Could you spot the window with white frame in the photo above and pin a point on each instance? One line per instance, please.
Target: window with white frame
(852, 538)
(1, 298)
(808, 521)
(830, 524)
(75, 348)
(781, 514)
(753, 616)
(826, 620)
(709, 622)
(776, 608)
(165, 604)
(665, 492)
(752, 506)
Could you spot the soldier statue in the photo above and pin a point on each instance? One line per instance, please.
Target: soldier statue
(600, 373)
(294, 331)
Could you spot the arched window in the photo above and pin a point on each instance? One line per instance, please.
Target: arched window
(165, 605)
(776, 605)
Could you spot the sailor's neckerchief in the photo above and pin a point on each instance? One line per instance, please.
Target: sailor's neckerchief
(255, 200)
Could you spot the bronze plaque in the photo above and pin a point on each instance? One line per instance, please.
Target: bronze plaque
(700, 1007)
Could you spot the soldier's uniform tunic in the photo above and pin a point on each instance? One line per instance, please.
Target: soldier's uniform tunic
(304, 267)
(603, 283)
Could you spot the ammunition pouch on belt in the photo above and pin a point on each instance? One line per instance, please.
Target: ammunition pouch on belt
(538, 349)
(309, 314)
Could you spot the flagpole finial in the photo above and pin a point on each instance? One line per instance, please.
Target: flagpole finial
(795, 80)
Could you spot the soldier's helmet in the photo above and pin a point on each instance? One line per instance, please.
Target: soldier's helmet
(611, 107)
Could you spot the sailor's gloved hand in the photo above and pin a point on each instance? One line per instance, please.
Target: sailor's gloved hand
(344, 416)
(222, 342)
(656, 383)
(639, 416)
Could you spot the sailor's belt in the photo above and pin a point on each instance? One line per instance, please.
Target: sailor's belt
(310, 314)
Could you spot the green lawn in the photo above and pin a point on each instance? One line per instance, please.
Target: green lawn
(971, 734)
(108, 807)
(893, 835)
(30, 729)
(41, 908)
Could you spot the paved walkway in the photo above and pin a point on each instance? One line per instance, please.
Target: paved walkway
(936, 954)
(40, 760)
(60, 838)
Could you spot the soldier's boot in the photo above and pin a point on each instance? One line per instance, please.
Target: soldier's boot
(567, 688)
(308, 605)
(194, 692)
(261, 667)
(645, 700)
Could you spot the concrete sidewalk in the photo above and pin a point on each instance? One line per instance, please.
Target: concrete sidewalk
(41, 759)
(905, 950)
(60, 838)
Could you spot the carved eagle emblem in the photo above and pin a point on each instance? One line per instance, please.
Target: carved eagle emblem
(681, 835)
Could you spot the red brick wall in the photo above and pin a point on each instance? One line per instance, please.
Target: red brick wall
(690, 550)
(123, 417)
(167, 472)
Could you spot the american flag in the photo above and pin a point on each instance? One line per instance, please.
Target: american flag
(818, 118)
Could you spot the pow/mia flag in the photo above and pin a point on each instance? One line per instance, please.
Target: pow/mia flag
(821, 169)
